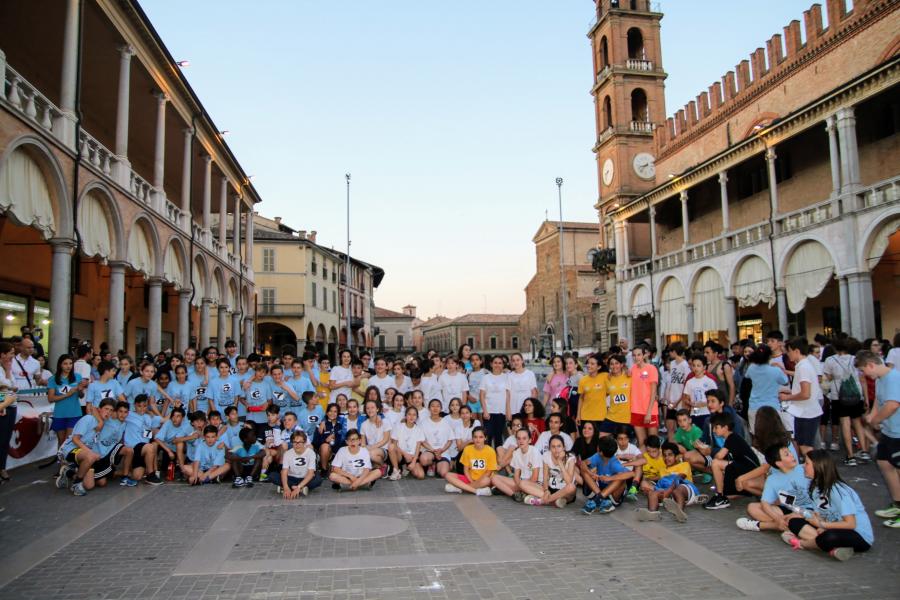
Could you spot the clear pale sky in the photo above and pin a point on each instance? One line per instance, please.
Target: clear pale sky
(454, 119)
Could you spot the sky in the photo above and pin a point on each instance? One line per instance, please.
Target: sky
(454, 119)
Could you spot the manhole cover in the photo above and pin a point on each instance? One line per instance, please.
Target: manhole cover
(358, 527)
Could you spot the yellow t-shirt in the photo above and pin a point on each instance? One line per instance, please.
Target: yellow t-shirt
(479, 461)
(322, 389)
(655, 467)
(680, 468)
(618, 390)
(363, 385)
(592, 397)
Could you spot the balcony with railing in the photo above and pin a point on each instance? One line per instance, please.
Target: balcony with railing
(637, 64)
(22, 98)
(640, 127)
(281, 310)
(357, 322)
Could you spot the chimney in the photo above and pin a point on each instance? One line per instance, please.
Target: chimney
(302, 234)
(312, 236)
(409, 310)
(278, 220)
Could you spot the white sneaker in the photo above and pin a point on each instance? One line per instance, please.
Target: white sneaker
(483, 492)
(533, 500)
(561, 503)
(451, 489)
(395, 476)
(834, 447)
(747, 524)
(305, 491)
(430, 471)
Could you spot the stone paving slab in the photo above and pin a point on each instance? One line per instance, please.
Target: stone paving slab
(132, 544)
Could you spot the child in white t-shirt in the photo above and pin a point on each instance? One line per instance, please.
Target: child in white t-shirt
(351, 467)
(298, 468)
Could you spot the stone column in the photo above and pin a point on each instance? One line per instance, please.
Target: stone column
(862, 305)
(159, 155)
(652, 232)
(154, 314)
(723, 193)
(184, 320)
(186, 175)
(122, 108)
(64, 126)
(689, 314)
(731, 319)
(845, 305)
(223, 213)
(834, 154)
(116, 336)
(773, 184)
(657, 328)
(236, 328)
(622, 332)
(846, 125)
(60, 296)
(248, 239)
(781, 300)
(626, 251)
(629, 329)
(221, 320)
(236, 229)
(203, 342)
(207, 194)
(249, 335)
(685, 223)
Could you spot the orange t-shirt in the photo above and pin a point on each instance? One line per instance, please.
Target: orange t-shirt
(644, 380)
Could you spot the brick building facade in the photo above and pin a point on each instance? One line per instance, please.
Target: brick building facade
(485, 333)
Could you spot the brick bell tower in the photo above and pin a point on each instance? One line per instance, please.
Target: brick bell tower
(629, 100)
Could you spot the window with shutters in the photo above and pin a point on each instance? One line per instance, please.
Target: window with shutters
(315, 294)
(268, 298)
(268, 264)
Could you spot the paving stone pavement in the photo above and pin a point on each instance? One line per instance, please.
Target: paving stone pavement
(130, 543)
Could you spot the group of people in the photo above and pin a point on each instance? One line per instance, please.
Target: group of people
(622, 425)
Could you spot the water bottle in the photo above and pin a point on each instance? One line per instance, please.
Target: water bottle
(170, 472)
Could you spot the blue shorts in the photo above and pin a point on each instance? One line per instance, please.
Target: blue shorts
(63, 423)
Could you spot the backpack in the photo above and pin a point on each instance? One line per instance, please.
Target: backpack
(849, 393)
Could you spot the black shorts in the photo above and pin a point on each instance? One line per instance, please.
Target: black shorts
(139, 460)
(599, 426)
(889, 450)
(106, 466)
(832, 538)
(838, 410)
(671, 414)
(610, 427)
(805, 430)
(732, 472)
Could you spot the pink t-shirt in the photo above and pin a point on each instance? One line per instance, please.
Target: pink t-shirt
(643, 379)
(555, 384)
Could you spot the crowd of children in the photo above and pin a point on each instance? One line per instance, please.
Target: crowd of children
(628, 427)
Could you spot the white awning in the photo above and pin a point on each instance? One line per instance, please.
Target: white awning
(642, 303)
(172, 271)
(199, 288)
(25, 194)
(709, 302)
(809, 270)
(140, 255)
(753, 283)
(881, 241)
(93, 226)
(672, 313)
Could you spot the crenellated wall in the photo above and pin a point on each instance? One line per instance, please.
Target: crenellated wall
(792, 70)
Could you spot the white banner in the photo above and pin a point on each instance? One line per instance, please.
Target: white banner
(32, 439)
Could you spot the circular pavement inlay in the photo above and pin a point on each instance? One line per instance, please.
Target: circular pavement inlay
(358, 527)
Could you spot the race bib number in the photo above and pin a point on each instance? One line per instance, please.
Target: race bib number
(786, 498)
(478, 464)
(358, 463)
(255, 394)
(201, 391)
(226, 388)
(300, 461)
(147, 434)
(620, 399)
(64, 390)
(313, 419)
(278, 398)
(107, 393)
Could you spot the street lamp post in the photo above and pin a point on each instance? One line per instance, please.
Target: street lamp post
(347, 269)
(562, 273)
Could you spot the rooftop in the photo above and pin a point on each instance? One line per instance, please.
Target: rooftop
(385, 313)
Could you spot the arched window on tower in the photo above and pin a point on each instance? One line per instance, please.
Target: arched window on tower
(604, 53)
(639, 105)
(607, 113)
(636, 44)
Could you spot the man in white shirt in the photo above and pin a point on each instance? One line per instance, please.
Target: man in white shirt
(804, 401)
(25, 368)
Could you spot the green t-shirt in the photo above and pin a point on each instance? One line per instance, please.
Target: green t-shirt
(687, 438)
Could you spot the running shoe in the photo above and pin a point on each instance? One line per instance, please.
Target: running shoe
(606, 506)
(850, 461)
(645, 514)
(62, 480)
(248, 482)
(864, 456)
(834, 447)
(747, 524)
(78, 489)
(891, 512)
(841, 554)
(452, 489)
(344, 487)
(153, 479)
(589, 508)
(128, 482)
(893, 523)
(518, 497)
(395, 476)
(675, 510)
(790, 539)
(533, 500)
(430, 471)
(485, 491)
(716, 502)
(631, 494)
(279, 490)
(305, 491)
(263, 477)
(703, 478)
(561, 503)
(238, 482)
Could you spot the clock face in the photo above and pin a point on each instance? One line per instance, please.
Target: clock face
(608, 171)
(644, 165)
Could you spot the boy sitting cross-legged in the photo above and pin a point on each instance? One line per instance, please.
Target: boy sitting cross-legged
(246, 458)
(298, 468)
(605, 479)
(734, 459)
(675, 488)
(209, 461)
